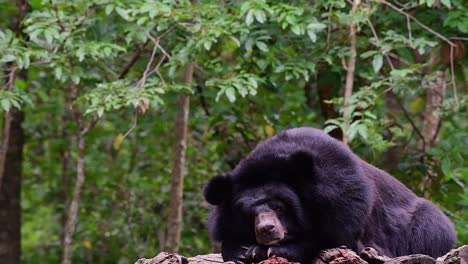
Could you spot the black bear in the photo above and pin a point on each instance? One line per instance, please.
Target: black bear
(302, 191)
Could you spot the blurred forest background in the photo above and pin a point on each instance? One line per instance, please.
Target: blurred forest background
(106, 104)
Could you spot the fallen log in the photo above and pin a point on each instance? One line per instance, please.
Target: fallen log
(340, 255)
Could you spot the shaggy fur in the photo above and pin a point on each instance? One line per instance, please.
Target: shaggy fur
(333, 198)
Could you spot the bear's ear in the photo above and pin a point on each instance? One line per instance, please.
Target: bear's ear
(218, 189)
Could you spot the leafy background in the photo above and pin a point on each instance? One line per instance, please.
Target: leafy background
(258, 68)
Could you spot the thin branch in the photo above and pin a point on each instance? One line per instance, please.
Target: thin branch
(157, 46)
(403, 7)
(458, 181)
(418, 22)
(452, 73)
(134, 124)
(405, 112)
(156, 70)
(90, 125)
(11, 77)
(168, 31)
(163, 50)
(343, 63)
(459, 38)
(378, 40)
(142, 81)
(133, 60)
(410, 33)
(400, 59)
(350, 72)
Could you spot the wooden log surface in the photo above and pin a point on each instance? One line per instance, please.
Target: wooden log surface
(340, 255)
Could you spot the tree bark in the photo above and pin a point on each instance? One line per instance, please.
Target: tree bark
(350, 68)
(174, 221)
(10, 192)
(65, 154)
(340, 255)
(11, 161)
(72, 216)
(435, 93)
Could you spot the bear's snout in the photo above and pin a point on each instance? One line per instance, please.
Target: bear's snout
(268, 228)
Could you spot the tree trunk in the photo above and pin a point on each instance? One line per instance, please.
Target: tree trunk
(350, 73)
(10, 192)
(65, 155)
(435, 94)
(436, 87)
(11, 160)
(174, 221)
(72, 216)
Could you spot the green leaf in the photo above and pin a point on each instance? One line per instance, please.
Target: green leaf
(58, 72)
(230, 93)
(297, 29)
(207, 45)
(5, 104)
(109, 9)
(8, 58)
(80, 53)
(27, 61)
(100, 111)
(312, 35)
(249, 18)
(363, 131)
(316, 26)
(253, 82)
(260, 16)
(447, 3)
(76, 78)
(235, 40)
(377, 62)
(20, 62)
(369, 53)
(15, 104)
(329, 128)
(241, 89)
(123, 13)
(261, 46)
(48, 35)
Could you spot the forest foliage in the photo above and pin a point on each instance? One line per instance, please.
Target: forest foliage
(259, 67)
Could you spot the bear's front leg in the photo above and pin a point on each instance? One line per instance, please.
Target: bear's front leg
(241, 252)
(298, 251)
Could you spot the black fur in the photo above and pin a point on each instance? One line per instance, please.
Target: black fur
(334, 198)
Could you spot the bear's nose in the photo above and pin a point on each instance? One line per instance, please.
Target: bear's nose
(267, 229)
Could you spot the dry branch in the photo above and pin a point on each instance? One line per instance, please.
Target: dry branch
(340, 255)
(435, 33)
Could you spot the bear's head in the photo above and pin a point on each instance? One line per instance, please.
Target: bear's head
(272, 211)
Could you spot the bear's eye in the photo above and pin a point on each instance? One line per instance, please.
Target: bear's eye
(277, 208)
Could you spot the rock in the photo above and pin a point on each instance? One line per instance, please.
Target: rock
(455, 256)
